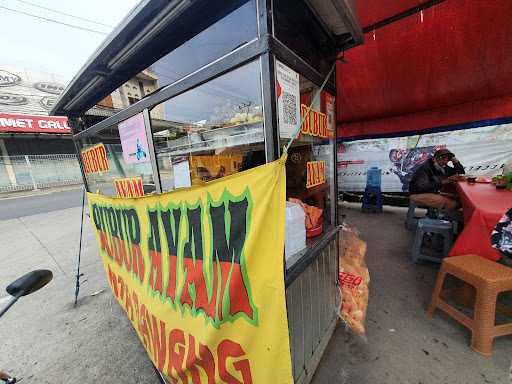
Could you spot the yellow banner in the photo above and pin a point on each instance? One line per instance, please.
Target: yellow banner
(199, 273)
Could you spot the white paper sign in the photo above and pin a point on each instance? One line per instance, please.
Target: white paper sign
(182, 175)
(288, 99)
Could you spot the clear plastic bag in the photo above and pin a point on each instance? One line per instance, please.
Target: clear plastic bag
(354, 279)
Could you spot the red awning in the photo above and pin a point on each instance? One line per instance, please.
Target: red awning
(444, 68)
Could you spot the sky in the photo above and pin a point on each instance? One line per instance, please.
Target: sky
(41, 45)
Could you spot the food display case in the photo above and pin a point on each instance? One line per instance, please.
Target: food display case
(221, 86)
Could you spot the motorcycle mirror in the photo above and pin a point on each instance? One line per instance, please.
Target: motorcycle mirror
(30, 282)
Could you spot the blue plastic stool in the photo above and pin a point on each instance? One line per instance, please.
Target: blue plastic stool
(432, 226)
(372, 200)
(411, 221)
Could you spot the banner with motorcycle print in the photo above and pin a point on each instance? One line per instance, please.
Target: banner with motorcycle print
(199, 272)
(483, 151)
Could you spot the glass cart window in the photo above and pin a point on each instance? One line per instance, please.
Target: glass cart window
(310, 164)
(296, 27)
(211, 131)
(108, 172)
(202, 49)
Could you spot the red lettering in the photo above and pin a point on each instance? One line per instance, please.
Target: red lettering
(316, 125)
(177, 355)
(323, 131)
(230, 349)
(205, 361)
(305, 125)
(119, 250)
(112, 278)
(171, 287)
(137, 262)
(137, 184)
(159, 343)
(155, 275)
(194, 276)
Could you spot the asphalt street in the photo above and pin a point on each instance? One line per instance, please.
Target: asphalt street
(19, 206)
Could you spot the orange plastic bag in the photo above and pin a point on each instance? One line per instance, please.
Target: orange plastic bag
(354, 279)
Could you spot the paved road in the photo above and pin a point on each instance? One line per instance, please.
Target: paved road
(13, 207)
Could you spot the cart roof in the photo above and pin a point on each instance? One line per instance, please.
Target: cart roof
(135, 44)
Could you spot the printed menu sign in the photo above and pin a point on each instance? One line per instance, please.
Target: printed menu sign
(288, 99)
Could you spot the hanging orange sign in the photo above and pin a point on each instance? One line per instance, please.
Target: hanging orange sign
(315, 124)
(95, 159)
(315, 173)
(129, 187)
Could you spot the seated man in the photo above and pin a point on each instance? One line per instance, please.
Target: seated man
(426, 183)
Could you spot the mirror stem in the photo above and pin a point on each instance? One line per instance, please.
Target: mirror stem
(11, 303)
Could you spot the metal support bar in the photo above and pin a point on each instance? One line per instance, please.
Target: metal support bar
(268, 85)
(34, 184)
(237, 58)
(290, 58)
(401, 15)
(151, 149)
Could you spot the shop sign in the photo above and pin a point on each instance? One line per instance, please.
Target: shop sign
(8, 79)
(129, 187)
(288, 100)
(134, 142)
(95, 159)
(315, 173)
(33, 124)
(315, 124)
(199, 273)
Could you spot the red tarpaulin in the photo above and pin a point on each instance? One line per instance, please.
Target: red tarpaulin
(447, 66)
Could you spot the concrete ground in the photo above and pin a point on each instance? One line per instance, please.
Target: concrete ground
(44, 339)
(402, 345)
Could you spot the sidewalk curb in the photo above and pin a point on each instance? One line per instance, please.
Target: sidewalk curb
(39, 192)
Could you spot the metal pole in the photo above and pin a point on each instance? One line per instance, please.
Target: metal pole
(30, 171)
(78, 274)
(11, 303)
(152, 153)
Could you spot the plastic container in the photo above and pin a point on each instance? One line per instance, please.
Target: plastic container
(295, 230)
(373, 177)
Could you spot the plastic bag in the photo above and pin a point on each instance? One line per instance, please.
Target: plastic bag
(354, 279)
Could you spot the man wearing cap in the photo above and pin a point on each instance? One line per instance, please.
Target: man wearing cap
(426, 183)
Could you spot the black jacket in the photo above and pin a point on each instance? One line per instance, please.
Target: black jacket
(428, 179)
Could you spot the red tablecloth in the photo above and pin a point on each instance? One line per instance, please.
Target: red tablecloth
(482, 205)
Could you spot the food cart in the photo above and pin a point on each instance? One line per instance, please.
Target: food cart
(233, 79)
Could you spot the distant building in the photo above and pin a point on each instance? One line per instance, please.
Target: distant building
(27, 96)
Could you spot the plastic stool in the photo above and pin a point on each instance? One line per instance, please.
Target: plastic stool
(442, 227)
(489, 279)
(411, 220)
(372, 200)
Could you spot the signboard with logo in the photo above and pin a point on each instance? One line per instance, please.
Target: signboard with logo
(33, 124)
(28, 92)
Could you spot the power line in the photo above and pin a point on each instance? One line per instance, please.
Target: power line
(63, 13)
(54, 21)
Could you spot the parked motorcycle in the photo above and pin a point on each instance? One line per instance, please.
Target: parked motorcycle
(25, 285)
